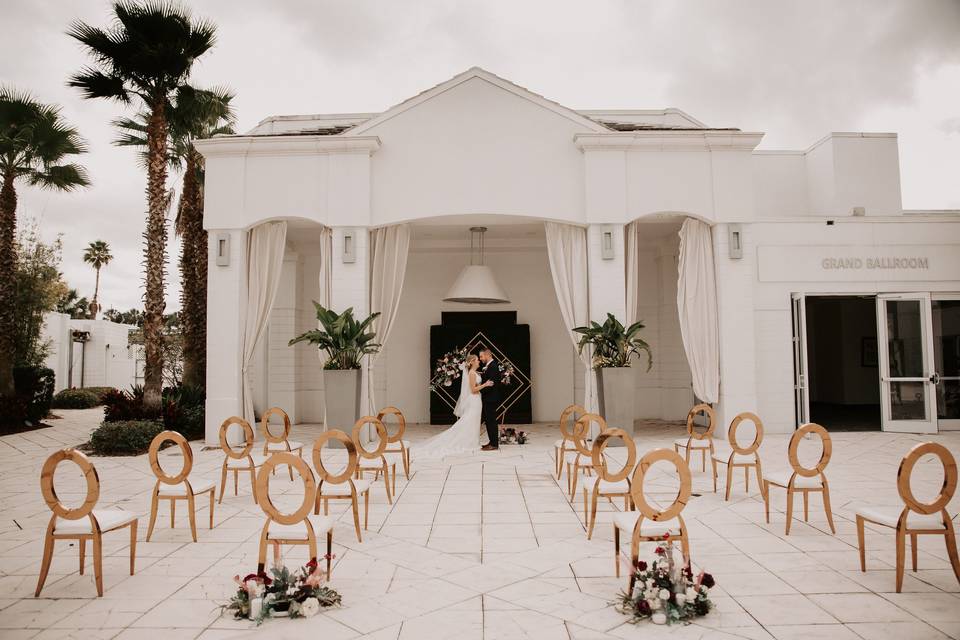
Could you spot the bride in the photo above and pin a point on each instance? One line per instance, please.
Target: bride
(464, 436)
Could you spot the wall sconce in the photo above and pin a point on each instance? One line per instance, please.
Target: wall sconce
(607, 250)
(223, 250)
(349, 254)
(735, 244)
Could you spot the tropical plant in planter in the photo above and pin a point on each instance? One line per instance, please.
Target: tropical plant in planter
(345, 340)
(614, 345)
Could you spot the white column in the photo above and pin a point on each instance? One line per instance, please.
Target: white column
(607, 277)
(735, 313)
(226, 297)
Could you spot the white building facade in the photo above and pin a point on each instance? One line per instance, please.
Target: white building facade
(833, 304)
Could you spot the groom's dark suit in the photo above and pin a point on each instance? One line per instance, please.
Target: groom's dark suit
(490, 396)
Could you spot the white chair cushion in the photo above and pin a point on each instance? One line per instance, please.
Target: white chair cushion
(889, 516)
(614, 487)
(782, 478)
(107, 519)
(199, 485)
(694, 444)
(321, 524)
(243, 463)
(627, 520)
(279, 446)
(343, 489)
(721, 453)
(570, 456)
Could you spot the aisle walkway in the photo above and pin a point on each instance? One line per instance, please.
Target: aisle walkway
(485, 546)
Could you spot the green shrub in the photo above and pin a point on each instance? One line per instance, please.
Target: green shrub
(128, 438)
(100, 391)
(181, 409)
(31, 402)
(76, 399)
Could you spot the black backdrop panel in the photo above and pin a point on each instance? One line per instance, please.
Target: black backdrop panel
(510, 342)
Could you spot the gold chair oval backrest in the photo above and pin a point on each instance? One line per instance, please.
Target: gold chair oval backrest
(185, 450)
(581, 432)
(600, 460)
(947, 489)
(50, 493)
(348, 471)
(792, 452)
(573, 410)
(263, 488)
(381, 436)
(758, 437)
(401, 423)
(247, 438)
(683, 494)
(265, 425)
(707, 410)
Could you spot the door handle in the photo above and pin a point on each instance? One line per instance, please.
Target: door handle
(935, 378)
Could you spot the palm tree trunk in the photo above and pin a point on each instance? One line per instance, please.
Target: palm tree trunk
(155, 254)
(8, 266)
(96, 296)
(193, 270)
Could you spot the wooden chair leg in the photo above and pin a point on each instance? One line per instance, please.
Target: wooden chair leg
(789, 510)
(45, 563)
(616, 550)
(236, 482)
(211, 508)
(827, 508)
(861, 544)
(593, 512)
(901, 557)
(703, 460)
(950, 539)
(98, 562)
(685, 548)
(223, 481)
(759, 477)
(154, 508)
(276, 553)
(192, 513)
(173, 513)
(133, 545)
(806, 506)
(393, 478)
(83, 553)
(913, 551)
(356, 517)
(576, 477)
(713, 464)
(366, 508)
(329, 551)
(746, 479)
(766, 499)
(253, 484)
(729, 482)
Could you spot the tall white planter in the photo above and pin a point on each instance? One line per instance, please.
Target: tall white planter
(341, 397)
(616, 398)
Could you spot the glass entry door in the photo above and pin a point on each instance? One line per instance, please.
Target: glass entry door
(801, 394)
(945, 314)
(907, 373)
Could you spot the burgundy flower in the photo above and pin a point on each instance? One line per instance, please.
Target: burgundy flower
(643, 608)
(312, 564)
(707, 580)
(660, 551)
(642, 566)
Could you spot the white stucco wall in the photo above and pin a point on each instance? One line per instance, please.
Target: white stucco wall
(105, 358)
(56, 333)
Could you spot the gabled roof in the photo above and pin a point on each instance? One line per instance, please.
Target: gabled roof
(471, 73)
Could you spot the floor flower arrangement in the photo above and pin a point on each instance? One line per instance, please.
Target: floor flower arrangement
(665, 591)
(296, 594)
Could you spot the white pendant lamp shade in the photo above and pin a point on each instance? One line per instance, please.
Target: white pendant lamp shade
(476, 284)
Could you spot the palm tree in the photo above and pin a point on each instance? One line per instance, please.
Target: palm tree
(194, 115)
(97, 254)
(72, 304)
(145, 56)
(35, 144)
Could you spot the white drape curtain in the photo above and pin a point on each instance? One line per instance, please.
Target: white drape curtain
(631, 237)
(389, 247)
(326, 267)
(266, 244)
(567, 251)
(697, 305)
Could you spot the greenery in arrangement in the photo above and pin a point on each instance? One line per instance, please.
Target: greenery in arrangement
(76, 399)
(298, 594)
(129, 438)
(666, 592)
(613, 344)
(193, 115)
(97, 255)
(344, 339)
(145, 56)
(36, 148)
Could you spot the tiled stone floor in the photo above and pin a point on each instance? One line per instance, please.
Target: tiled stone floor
(483, 546)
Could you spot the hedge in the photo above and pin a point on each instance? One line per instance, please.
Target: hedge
(31, 402)
(127, 438)
(76, 399)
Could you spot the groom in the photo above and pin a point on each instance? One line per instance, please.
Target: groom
(490, 396)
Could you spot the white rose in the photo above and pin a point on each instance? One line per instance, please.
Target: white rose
(664, 594)
(310, 607)
(681, 599)
(659, 618)
(656, 603)
(691, 593)
(650, 583)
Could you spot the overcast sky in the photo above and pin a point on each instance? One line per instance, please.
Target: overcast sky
(795, 70)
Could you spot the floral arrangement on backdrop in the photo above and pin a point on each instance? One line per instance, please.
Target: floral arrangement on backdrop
(447, 369)
(665, 591)
(297, 594)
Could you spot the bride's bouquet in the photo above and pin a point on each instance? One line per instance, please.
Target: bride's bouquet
(448, 368)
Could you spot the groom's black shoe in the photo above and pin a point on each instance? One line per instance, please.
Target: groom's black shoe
(489, 447)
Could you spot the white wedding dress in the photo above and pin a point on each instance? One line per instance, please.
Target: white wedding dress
(464, 436)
